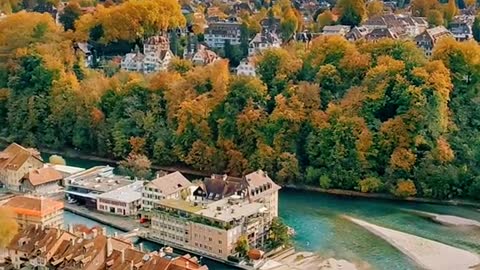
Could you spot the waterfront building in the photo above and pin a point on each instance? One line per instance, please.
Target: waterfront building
(123, 201)
(42, 181)
(170, 186)
(35, 211)
(84, 187)
(15, 162)
(219, 211)
(65, 170)
(40, 247)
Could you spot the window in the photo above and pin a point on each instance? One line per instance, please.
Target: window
(220, 251)
(220, 241)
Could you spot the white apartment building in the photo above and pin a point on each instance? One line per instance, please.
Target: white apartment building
(124, 201)
(219, 32)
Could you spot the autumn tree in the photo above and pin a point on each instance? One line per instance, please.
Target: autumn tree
(450, 10)
(374, 8)
(352, 12)
(289, 24)
(136, 165)
(405, 188)
(70, 14)
(422, 7)
(57, 160)
(324, 19)
(131, 20)
(9, 227)
(435, 17)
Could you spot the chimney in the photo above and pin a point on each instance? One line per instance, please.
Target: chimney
(59, 233)
(109, 247)
(115, 234)
(140, 246)
(104, 231)
(70, 228)
(131, 265)
(94, 233)
(84, 235)
(72, 241)
(122, 255)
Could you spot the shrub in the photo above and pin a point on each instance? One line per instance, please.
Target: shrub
(370, 184)
(325, 181)
(405, 188)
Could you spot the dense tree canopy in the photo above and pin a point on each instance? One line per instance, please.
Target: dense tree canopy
(373, 117)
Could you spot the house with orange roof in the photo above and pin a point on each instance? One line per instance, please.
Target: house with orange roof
(41, 181)
(36, 211)
(15, 162)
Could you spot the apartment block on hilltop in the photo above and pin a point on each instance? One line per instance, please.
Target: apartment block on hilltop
(39, 247)
(220, 32)
(15, 162)
(35, 211)
(215, 213)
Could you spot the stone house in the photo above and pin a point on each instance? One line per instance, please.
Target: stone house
(41, 181)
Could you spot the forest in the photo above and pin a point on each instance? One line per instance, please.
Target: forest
(371, 117)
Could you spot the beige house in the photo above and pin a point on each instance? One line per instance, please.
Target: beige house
(42, 181)
(36, 211)
(170, 186)
(15, 162)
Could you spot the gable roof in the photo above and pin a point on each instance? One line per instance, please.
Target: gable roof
(42, 176)
(170, 183)
(15, 155)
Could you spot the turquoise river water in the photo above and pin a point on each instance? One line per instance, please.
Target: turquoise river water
(317, 220)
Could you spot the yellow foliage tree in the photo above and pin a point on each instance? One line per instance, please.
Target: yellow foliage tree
(132, 20)
(402, 159)
(57, 160)
(374, 8)
(324, 19)
(422, 7)
(450, 10)
(405, 188)
(8, 228)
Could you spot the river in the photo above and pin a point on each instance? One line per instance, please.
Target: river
(320, 228)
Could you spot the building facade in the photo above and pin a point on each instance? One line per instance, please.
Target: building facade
(220, 32)
(170, 186)
(15, 162)
(219, 211)
(124, 201)
(35, 211)
(42, 181)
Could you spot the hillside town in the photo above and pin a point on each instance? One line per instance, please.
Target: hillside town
(187, 118)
